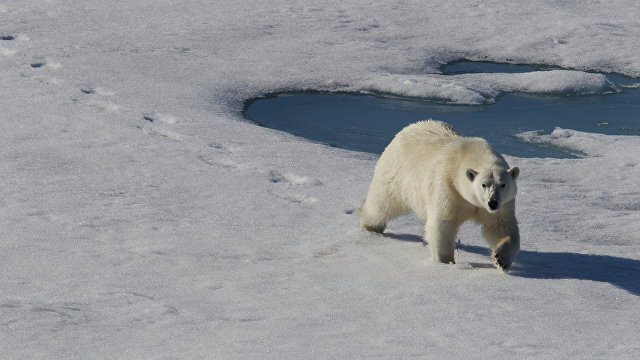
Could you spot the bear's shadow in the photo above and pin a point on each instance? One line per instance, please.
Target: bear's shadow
(621, 272)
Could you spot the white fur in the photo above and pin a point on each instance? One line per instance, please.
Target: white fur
(445, 179)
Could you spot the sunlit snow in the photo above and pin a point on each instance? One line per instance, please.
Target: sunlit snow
(144, 218)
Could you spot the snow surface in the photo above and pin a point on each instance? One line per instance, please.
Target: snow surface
(476, 89)
(143, 218)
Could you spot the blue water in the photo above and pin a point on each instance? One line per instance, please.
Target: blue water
(369, 122)
(472, 67)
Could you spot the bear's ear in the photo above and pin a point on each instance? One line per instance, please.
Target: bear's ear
(471, 174)
(515, 172)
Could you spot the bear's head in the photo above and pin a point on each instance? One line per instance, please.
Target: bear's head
(492, 187)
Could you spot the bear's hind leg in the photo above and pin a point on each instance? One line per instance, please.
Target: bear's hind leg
(375, 213)
(372, 218)
(374, 228)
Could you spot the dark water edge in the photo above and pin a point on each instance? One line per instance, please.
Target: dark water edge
(366, 122)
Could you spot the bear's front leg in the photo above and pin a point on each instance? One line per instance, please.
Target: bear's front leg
(504, 241)
(506, 251)
(441, 235)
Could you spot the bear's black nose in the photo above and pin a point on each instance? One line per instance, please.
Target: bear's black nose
(493, 204)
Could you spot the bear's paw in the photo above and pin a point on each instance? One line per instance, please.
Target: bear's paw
(503, 254)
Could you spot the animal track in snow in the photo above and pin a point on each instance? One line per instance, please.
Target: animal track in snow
(104, 105)
(6, 52)
(45, 64)
(96, 97)
(354, 237)
(17, 316)
(216, 161)
(285, 185)
(89, 90)
(137, 307)
(40, 69)
(288, 178)
(220, 154)
(159, 124)
(330, 251)
(156, 117)
(294, 198)
(162, 132)
(226, 148)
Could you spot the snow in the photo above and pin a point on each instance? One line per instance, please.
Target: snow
(476, 89)
(143, 218)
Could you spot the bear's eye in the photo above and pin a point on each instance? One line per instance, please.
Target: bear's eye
(503, 185)
(484, 186)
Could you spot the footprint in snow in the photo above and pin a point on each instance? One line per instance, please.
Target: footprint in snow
(293, 197)
(226, 147)
(90, 90)
(217, 161)
(162, 118)
(288, 178)
(45, 64)
(6, 51)
(13, 37)
(97, 97)
(168, 134)
(159, 124)
(41, 71)
(285, 185)
(219, 155)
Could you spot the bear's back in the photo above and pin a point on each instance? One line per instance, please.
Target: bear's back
(429, 129)
(422, 138)
(434, 146)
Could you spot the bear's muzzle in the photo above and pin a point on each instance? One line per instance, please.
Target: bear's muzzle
(494, 204)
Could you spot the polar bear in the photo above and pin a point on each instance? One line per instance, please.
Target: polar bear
(445, 179)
